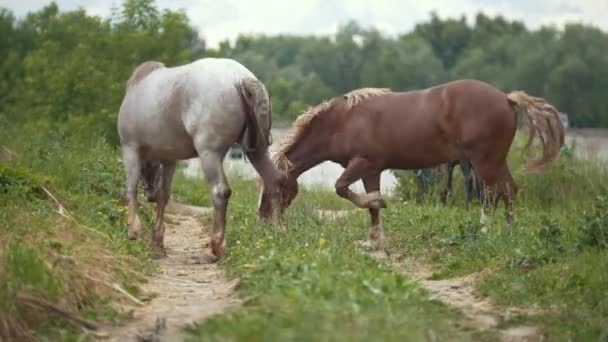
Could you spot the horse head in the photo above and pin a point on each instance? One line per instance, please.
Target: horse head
(278, 196)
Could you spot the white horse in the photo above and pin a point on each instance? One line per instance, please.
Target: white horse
(198, 109)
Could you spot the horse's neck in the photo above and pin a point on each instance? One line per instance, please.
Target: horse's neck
(304, 156)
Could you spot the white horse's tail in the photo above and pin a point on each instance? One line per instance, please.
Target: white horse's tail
(256, 104)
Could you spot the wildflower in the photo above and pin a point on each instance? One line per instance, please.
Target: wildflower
(322, 242)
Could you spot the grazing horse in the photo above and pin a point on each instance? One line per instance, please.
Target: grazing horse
(194, 110)
(370, 130)
(470, 180)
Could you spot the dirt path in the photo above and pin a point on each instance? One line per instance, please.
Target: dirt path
(186, 290)
(480, 313)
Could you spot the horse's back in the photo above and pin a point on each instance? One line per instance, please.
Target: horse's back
(175, 106)
(479, 110)
(447, 118)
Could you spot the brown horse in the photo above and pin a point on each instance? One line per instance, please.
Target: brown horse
(370, 130)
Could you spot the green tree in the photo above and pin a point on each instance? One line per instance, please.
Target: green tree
(449, 38)
(406, 64)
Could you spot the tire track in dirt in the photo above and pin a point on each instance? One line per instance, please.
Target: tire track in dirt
(186, 290)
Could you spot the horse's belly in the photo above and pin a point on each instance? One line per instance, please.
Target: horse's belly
(168, 153)
(169, 147)
(424, 156)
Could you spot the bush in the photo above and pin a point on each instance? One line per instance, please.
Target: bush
(48, 257)
(594, 226)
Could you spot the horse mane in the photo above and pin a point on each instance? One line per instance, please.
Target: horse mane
(302, 122)
(142, 71)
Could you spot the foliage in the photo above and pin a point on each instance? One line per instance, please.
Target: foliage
(62, 78)
(314, 283)
(68, 249)
(552, 257)
(63, 65)
(594, 225)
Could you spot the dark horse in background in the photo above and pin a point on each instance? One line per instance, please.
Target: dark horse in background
(371, 130)
(471, 183)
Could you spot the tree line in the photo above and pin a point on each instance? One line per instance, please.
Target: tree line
(70, 68)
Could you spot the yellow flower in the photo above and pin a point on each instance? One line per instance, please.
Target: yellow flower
(322, 242)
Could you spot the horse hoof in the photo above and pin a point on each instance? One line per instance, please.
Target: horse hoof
(217, 249)
(133, 234)
(134, 229)
(366, 245)
(159, 253)
(205, 259)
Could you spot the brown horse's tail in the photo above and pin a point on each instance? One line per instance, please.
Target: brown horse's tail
(256, 104)
(543, 122)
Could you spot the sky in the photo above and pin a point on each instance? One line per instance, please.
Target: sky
(218, 20)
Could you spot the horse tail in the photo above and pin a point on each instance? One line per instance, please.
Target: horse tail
(543, 122)
(258, 109)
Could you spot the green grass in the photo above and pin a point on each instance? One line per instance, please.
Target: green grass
(190, 190)
(554, 256)
(314, 284)
(68, 263)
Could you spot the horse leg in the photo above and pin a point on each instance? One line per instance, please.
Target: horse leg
(465, 166)
(448, 185)
(271, 179)
(213, 169)
(162, 198)
(376, 231)
(356, 169)
(508, 190)
(133, 167)
(478, 185)
(498, 183)
(488, 174)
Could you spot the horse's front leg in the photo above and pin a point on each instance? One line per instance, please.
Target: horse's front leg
(356, 169)
(219, 188)
(162, 198)
(133, 168)
(376, 231)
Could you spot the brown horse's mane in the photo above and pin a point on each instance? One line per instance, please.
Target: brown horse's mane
(142, 71)
(303, 121)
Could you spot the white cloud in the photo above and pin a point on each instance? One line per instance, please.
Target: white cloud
(218, 20)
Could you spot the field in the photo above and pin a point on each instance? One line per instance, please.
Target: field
(547, 270)
(69, 271)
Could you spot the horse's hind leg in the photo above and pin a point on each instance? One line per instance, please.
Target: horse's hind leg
(508, 190)
(376, 232)
(162, 198)
(219, 188)
(133, 167)
(497, 183)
